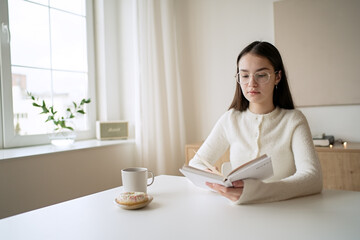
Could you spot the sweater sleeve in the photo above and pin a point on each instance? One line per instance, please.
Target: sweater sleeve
(214, 146)
(306, 180)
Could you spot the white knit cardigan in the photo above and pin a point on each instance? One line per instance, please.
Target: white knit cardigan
(282, 134)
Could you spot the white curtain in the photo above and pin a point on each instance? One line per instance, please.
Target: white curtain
(159, 124)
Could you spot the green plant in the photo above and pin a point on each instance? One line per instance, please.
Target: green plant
(60, 122)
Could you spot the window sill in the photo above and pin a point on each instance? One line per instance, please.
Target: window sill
(46, 149)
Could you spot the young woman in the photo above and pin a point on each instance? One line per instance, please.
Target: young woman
(262, 120)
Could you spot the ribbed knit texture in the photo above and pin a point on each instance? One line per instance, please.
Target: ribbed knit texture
(282, 134)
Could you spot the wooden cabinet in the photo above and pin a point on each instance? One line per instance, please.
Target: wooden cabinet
(191, 149)
(340, 165)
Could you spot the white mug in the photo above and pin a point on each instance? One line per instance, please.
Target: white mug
(136, 179)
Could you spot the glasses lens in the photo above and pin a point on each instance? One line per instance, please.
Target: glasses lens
(261, 77)
(243, 78)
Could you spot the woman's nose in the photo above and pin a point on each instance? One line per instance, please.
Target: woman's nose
(252, 81)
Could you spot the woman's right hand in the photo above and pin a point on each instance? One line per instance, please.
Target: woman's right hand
(232, 193)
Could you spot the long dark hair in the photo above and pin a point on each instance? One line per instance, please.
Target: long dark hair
(282, 96)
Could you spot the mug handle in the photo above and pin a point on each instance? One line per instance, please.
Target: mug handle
(152, 178)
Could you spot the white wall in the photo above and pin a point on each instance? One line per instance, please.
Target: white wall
(107, 73)
(211, 33)
(28, 183)
(341, 121)
(116, 60)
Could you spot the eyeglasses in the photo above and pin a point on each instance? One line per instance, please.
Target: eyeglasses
(259, 77)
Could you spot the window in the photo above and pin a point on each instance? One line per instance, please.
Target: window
(46, 49)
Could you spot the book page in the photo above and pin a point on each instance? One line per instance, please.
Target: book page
(248, 163)
(199, 177)
(260, 168)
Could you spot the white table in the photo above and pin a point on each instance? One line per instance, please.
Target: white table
(182, 211)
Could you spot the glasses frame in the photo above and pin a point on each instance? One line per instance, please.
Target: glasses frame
(237, 77)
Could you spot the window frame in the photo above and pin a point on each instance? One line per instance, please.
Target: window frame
(9, 139)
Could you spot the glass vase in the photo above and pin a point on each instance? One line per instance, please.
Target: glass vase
(62, 138)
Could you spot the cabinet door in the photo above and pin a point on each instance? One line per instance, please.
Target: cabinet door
(191, 149)
(341, 170)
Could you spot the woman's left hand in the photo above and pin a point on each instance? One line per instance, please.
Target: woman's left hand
(232, 193)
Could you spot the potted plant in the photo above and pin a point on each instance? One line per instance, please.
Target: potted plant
(63, 132)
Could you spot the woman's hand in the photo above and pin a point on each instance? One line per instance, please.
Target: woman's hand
(232, 193)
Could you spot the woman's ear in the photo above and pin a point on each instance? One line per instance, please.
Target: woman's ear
(277, 77)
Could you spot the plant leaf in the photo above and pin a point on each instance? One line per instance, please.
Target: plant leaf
(44, 108)
(85, 101)
(50, 118)
(62, 124)
(70, 128)
(36, 105)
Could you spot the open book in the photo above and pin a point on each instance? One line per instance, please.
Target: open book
(258, 168)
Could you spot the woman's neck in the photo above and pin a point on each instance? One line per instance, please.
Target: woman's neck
(260, 108)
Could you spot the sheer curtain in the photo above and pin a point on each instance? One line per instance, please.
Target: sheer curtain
(159, 121)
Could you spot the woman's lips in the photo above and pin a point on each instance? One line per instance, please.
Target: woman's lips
(253, 92)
